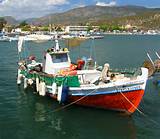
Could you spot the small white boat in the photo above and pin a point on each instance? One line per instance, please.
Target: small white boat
(38, 37)
(4, 38)
(96, 37)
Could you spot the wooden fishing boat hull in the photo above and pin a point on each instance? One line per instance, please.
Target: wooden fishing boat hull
(126, 99)
(119, 96)
(126, 102)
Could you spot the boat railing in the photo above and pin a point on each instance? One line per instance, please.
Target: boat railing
(126, 72)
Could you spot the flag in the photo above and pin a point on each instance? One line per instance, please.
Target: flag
(20, 44)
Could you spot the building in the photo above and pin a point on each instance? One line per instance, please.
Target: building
(76, 29)
(80, 29)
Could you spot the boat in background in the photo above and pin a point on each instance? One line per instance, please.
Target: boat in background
(82, 84)
(96, 37)
(4, 37)
(38, 37)
(81, 36)
(152, 65)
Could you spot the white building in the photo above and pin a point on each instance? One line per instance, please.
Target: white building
(82, 30)
(76, 29)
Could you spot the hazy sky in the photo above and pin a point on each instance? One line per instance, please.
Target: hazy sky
(35, 8)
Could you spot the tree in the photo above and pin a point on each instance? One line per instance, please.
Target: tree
(3, 22)
(23, 24)
(26, 28)
(104, 27)
(58, 28)
(45, 28)
(116, 27)
(89, 28)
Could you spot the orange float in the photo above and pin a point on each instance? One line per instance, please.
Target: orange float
(70, 71)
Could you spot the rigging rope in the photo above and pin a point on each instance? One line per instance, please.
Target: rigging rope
(66, 106)
(142, 113)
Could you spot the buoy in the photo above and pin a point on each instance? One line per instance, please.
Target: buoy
(62, 94)
(25, 83)
(42, 89)
(19, 77)
(37, 84)
(54, 88)
(30, 81)
(59, 93)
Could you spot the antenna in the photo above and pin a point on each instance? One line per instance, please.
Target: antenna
(50, 24)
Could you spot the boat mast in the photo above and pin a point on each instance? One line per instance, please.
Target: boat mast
(57, 43)
(150, 59)
(50, 25)
(20, 45)
(93, 52)
(157, 55)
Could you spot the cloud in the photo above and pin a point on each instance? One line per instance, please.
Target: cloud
(110, 4)
(29, 8)
(57, 2)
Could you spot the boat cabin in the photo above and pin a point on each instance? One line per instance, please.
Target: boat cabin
(56, 60)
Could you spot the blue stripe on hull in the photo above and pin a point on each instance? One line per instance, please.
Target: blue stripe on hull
(104, 91)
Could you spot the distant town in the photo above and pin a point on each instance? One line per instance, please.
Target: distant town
(83, 31)
(84, 23)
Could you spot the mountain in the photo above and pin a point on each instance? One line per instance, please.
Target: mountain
(147, 18)
(10, 20)
(89, 13)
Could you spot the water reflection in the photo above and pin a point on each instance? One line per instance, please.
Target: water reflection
(74, 42)
(26, 115)
(56, 123)
(75, 121)
(86, 123)
(40, 112)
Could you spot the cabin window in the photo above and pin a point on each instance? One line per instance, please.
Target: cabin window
(57, 58)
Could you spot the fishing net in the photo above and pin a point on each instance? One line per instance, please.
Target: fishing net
(70, 81)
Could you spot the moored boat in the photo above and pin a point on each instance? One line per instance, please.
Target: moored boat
(38, 37)
(83, 84)
(152, 66)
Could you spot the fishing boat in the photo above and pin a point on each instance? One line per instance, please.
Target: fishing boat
(152, 65)
(82, 83)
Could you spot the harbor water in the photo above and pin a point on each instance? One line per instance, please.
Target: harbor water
(25, 115)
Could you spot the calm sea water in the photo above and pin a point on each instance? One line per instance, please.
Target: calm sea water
(24, 115)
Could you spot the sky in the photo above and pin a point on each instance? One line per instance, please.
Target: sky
(21, 9)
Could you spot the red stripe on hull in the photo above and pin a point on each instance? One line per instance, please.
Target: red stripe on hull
(117, 101)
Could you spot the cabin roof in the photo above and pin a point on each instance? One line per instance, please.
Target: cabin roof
(59, 52)
(54, 51)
